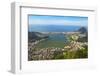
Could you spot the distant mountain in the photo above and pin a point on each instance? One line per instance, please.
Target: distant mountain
(82, 30)
(33, 36)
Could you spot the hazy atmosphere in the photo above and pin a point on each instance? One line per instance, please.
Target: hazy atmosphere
(57, 37)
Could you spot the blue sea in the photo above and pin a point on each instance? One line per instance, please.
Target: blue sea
(52, 28)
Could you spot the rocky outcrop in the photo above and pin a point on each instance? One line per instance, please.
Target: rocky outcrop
(33, 36)
(82, 30)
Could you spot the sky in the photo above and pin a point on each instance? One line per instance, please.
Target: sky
(44, 20)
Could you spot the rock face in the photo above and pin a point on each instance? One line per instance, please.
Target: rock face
(82, 30)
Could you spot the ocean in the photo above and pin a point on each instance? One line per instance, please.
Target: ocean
(52, 28)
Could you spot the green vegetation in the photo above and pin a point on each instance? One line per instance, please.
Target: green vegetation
(75, 46)
(79, 50)
(83, 53)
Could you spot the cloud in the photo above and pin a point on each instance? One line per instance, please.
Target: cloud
(81, 22)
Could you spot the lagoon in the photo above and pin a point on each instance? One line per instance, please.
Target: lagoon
(54, 40)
